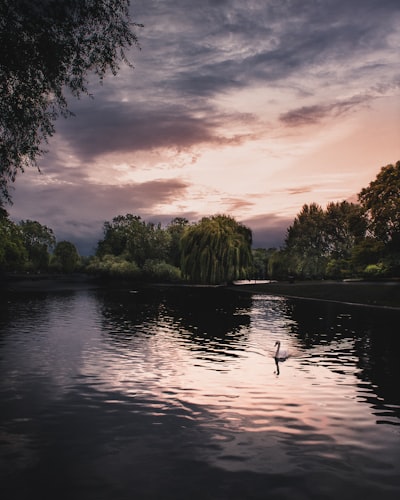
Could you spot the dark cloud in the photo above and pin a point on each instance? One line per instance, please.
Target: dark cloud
(215, 47)
(269, 230)
(194, 52)
(77, 212)
(108, 127)
(310, 115)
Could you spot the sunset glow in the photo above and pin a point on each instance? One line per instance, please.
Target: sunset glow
(248, 109)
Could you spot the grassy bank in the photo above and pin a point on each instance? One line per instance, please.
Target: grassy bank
(368, 293)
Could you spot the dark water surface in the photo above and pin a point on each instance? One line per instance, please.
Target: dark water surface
(175, 394)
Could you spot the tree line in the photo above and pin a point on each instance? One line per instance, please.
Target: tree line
(31, 247)
(344, 240)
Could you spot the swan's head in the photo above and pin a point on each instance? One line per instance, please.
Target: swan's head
(278, 342)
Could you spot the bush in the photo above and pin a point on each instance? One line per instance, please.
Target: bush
(338, 269)
(113, 267)
(374, 271)
(159, 270)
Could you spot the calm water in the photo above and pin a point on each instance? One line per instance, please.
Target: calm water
(174, 394)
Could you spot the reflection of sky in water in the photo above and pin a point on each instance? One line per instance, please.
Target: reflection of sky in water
(214, 369)
(229, 385)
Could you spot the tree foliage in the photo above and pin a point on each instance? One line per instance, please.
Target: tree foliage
(28, 246)
(142, 250)
(49, 48)
(113, 266)
(260, 263)
(176, 229)
(13, 253)
(337, 242)
(65, 257)
(306, 242)
(131, 237)
(320, 242)
(381, 201)
(349, 239)
(344, 225)
(216, 250)
(38, 241)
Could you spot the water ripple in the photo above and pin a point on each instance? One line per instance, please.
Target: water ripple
(121, 386)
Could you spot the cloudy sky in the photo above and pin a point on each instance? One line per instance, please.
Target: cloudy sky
(249, 108)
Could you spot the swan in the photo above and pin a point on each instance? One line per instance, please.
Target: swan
(280, 355)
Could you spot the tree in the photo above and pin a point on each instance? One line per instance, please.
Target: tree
(116, 234)
(345, 225)
(381, 200)
(278, 264)
(320, 242)
(367, 251)
(306, 242)
(216, 250)
(153, 244)
(260, 263)
(176, 229)
(38, 241)
(49, 48)
(131, 237)
(66, 257)
(13, 254)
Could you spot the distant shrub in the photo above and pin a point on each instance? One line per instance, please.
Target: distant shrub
(375, 271)
(159, 270)
(338, 269)
(113, 267)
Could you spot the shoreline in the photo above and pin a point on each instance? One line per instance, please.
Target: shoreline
(374, 294)
(47, 283)
(366, 293)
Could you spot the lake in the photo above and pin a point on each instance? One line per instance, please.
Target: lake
(174, 393)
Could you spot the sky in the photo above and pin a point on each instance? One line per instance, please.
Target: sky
(248, 108)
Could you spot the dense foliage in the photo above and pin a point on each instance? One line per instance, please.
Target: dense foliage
(347, 239)
(344, 240)
(48, 50)
(31, 247)
(381, 201)
(136, 249)
(320, 242)
(216, 250)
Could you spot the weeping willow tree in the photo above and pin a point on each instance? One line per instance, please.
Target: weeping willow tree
(216, 250)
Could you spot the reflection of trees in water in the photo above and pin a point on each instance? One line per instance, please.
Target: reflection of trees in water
(212, 319)
(124, 310)
(207, 318)
(377, 351)
(317, 323)
(372, 331)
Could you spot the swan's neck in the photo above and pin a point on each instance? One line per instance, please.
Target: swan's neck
(277, 350)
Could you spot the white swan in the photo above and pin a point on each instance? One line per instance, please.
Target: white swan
(280, 354)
